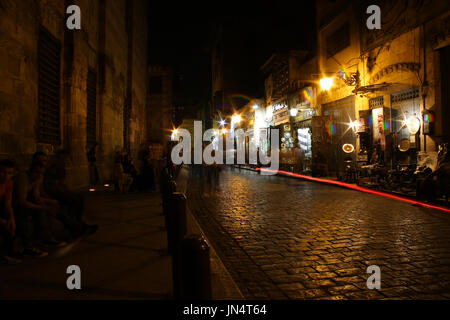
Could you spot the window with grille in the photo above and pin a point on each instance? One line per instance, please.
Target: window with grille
(376, 102)
(404, 95)
(404, 103)
(91, 121)
(338, 41)
(49, 55)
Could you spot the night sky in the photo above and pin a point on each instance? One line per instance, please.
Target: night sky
(181, 37)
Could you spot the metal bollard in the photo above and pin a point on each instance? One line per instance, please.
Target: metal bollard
(170, 188)
(195, 268)
(164, 185)
(176, 221)
(176, 230)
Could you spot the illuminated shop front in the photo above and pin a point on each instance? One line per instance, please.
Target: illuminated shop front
(393, 128)
(262, 121)
(303, 111)
(281, 122)
(405, 110)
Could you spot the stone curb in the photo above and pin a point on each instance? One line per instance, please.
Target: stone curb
(223, 285)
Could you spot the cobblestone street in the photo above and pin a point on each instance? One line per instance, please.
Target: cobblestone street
(284, 238)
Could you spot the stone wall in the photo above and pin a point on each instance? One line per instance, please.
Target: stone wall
(160, 106)
(103, 41)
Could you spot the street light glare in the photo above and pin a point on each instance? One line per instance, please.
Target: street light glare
(255, 106)
(293, 112)
(236, 118)
(354, 125)
(326, 83)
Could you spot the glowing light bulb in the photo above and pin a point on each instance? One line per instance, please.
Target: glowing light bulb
(293, 112)
(326, 83)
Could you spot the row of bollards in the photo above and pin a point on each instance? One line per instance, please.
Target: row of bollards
(190, 253)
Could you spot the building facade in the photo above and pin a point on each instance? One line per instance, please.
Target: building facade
(389, 93)
(160, 104)
(291, 104)
(66, 89)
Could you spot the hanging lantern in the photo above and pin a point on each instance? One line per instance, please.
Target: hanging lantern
(413, 124)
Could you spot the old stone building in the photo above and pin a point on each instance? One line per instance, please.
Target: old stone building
(288, 74)
(160, 103)
(66, 89)
(384, 82)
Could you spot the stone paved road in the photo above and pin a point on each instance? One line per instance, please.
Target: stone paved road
(283, 238)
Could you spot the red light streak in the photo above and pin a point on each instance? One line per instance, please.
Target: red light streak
(358, 188)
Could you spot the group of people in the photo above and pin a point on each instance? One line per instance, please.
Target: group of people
(129, 179)
(31, 202)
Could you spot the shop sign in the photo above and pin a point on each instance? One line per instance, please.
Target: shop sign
(280, 114)
(305, 115)
(281, 118)
(279, 106)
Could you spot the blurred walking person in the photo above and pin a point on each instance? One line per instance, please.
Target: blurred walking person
(93, 171)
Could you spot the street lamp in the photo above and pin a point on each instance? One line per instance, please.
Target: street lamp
(293, 112)
(174, 134)
(236, 118)
(355, 125)
(413, 124)
(326, 83)
(255, 106)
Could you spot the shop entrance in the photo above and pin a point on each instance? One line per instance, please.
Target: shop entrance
(341, 113)
(405, 109)
(304, 146)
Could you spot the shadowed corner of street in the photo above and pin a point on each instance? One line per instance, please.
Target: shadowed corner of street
(125, 259)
